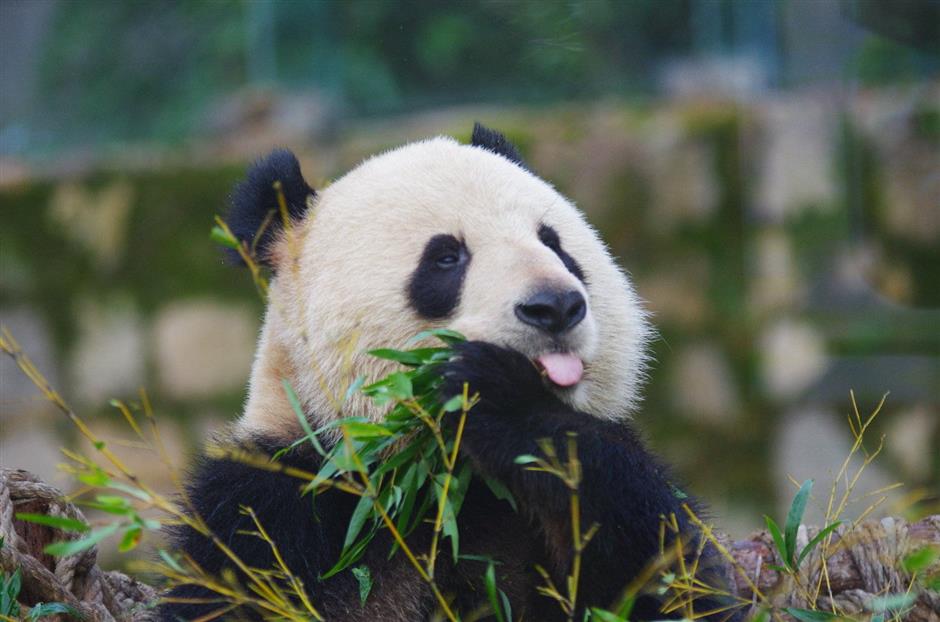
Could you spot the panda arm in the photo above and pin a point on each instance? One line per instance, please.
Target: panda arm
(624, 488)
(307, 535)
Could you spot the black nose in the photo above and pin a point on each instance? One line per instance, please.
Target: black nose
(553, 311)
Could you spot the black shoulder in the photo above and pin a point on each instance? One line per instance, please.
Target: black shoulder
(491, 140)
(254, 213)
(307, 536)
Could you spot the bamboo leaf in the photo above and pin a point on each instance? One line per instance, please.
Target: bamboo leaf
(806, 615)
(364, 578)
(794, 517)
(358, 520)
(778, 538)
(812, 544)
(59, 522)
(221, 236)
(70, 547)
(489, 581)
(922, 558)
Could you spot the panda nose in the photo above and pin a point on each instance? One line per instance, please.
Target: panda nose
(553, 311)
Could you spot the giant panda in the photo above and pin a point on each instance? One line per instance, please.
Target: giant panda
(441, 234)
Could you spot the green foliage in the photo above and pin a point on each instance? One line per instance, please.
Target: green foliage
(785, 541)
(10, 586)
(811, 615)
(497, 598)
(404, 466)
(9, 590)
(168, 63)
(363, 577)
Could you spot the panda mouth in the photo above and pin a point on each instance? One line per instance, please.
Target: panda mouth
(562, 368)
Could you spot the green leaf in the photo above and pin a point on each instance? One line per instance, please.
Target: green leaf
(892, 602)
(131, 538)
(453, 404)
(137, 493)
(349, 557)
(525, 459)
(95, 478)
(489, 581)
(500, 491)
(354, 387)
(9, 605)
(626, 607)
(805, 615)
(400, 386)
(59, 522)
(170, 561)
(763, 615)
(606, 616)
(777, 536)
(921, 559)
(365, 429)
(794, 517)
(450, 337)
(363, 509)
(70, 547)
(294, 402)
(413, 358)
(677, 492)
(41, 610)
(364, 579)
(220, 236)
(812, 544)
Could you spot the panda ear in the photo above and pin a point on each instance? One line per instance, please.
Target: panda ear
(254, 213)
(491, 140)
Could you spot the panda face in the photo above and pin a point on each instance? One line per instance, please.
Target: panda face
(441, 235)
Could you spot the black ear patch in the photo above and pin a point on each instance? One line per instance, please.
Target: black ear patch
(254, 214)
(491, 140)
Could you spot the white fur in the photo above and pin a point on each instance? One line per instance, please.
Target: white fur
(341, 287)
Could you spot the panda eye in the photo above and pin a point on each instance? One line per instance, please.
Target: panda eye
(445, 262)
(549, 237)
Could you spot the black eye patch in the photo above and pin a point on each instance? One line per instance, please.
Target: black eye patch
(549, 237)
(435, 285)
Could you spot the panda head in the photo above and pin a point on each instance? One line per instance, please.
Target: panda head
(433, 234)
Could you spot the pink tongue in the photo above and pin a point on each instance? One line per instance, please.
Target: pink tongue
(562, 369)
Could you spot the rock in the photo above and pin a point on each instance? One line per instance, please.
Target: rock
(775, 282)
(703, 385)
(798, 165)
(888, 119)
(204, 347)
(94, 219)
(684, 184)
(909, 439)
(793, 356)
(108, 360)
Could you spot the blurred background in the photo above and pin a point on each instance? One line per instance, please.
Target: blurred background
(768, 172)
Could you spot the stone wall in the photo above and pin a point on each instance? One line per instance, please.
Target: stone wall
(788, 247)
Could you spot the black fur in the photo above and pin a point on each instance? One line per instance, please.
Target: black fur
(434, 288)
(549, 238)
(254, 210)
(624, 489)
(491, 140)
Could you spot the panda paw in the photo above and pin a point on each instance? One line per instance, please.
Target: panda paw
(504, 379)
